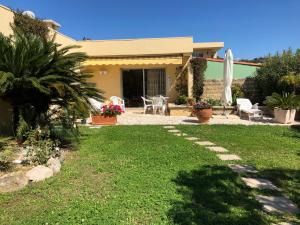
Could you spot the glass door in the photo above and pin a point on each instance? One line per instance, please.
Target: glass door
(155, 82)
(142, 82)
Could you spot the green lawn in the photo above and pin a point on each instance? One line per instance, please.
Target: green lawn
(145, 175)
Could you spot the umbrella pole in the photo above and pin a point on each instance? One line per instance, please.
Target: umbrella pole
(225, 112)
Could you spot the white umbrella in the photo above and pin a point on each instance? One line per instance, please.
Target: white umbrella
(227, 78)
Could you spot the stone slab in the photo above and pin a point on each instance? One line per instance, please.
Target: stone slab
(13, 182)
(204, 143)
(169, 127)
(276, 204)
(217, 149)
(242, 168)
(259, 183)
(54, 164)
(285, 223)
(228, 157)
(191, 138)
(39, 173)
(180, 134)
(174, 131)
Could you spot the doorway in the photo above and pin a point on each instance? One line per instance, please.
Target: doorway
(142, 82)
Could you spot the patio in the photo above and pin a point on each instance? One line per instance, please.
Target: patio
(135, 116)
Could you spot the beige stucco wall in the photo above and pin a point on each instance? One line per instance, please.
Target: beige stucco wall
(6, 18)
(111, 83)
(64, 40)
(133, 47)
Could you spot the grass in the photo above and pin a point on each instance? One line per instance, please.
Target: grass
(144, 175)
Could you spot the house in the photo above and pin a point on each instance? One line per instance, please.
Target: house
(133, 67)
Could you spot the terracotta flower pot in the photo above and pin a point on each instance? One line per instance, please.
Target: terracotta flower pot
(203, 115)
(284, 116)
(104, 120)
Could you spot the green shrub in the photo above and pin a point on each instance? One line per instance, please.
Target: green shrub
(40, 147)
(181, 100)
(213, 102)
(284, 101)
(273, 69)
(237, 92)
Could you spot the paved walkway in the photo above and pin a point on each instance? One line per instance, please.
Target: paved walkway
(270, 204)
(138, 118)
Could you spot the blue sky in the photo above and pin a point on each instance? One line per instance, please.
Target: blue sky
(250, 28)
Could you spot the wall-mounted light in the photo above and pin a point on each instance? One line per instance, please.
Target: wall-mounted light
(103, 72)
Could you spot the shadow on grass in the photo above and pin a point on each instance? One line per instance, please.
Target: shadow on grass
(286, 179)
(296, 129)
(214, 195)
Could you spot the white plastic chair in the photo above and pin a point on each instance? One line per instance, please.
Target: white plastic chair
(244, 105)
(95, 106)
(165, 104)
(157, 103)
(147, 104)
(160, 103)
(118, 101)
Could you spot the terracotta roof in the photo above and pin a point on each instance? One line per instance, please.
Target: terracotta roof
(235, 62)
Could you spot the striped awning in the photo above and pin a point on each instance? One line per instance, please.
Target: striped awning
(175, 60)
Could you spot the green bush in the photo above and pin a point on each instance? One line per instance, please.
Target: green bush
(181, 100)
(284, 101)
(237, 92)
(40, 147)
(213, 102)
(273, 69)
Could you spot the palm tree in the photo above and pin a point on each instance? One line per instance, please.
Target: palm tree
(36, 73)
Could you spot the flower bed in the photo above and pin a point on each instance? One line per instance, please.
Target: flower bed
(107, 116)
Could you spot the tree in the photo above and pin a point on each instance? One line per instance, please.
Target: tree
(36, 73)
(269, 77)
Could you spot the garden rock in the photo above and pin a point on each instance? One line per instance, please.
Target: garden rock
(13, 182)
(54, 164)
(39, 173)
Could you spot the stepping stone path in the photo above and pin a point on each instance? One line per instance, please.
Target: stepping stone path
(174, 131)
(169, 127)
(180, 134)
(242, 168)
(204, 143)
(259, 183)
(191, 138)
(217, 149)
(228, 157)
(275, 204)
(284, 223)
(270, 204)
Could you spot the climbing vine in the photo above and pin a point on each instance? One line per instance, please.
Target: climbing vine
(199, 66)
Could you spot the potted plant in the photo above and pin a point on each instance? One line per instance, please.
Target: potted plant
(203, 111)
(284, 106)
(108, 115)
